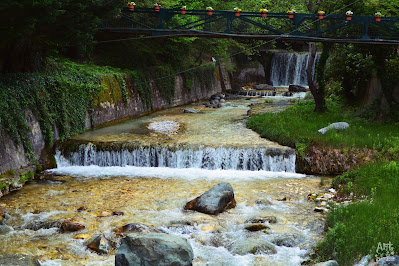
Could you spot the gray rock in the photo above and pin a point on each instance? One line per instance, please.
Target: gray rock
(268, 219)
(18, 260)
(253, 246)
(364, 261)
(99, 244)
(192, 111)
(328, 263)
(297, 88)
(388, 261)
(263, 87)
(338, 125)
(216, 200)
(37, 225)
(154, 249)
(287, 94)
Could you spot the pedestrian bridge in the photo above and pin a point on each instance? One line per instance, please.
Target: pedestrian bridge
(293, 27)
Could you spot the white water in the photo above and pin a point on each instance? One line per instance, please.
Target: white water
(290, 68)
(252, 159)
(94, 171)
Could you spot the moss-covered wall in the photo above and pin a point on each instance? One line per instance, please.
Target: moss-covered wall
(55, 106)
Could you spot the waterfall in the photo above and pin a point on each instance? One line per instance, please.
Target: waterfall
(179, 156)
(290, 68)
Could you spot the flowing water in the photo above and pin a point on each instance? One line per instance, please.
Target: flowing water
(290, 68)
(149, 176)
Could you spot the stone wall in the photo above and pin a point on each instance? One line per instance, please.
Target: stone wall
(12, 156)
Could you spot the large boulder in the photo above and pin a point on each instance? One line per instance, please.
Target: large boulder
(263, 87)
(338, 125)
(297, 88)
(154, 249)
(18, 260)
(216, 200)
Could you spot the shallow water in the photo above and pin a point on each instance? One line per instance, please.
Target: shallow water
(219, 240)
(156, 195)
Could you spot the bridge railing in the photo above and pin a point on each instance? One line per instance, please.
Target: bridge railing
(246, 24)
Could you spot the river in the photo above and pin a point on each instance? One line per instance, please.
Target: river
(149, 176)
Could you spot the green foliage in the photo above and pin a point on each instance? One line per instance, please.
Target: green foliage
(142, 85)
(165, 81)
(356, 229)
(59, 96)
(23, 177)
(299, 125)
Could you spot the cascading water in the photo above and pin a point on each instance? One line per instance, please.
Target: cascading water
(148, 177)
(290, 68)
(184, 156)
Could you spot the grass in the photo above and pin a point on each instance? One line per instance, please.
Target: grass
(298, 127)
(356, 229)
(353, 230)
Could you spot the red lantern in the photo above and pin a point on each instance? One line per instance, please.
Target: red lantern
(183, 11)
(156, 8)
(264, 14)
(131, 7)
(237, 14)
(290, 14)
(348, 18)
(321, 16)
(377, 19)
(210, 12)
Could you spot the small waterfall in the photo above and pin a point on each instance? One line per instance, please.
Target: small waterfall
(179, 156)
(290, 68)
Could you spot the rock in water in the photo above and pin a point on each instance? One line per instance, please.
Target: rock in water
(214, 201)
(18, 260)
(264, 87)
(297, 88)
(154, 249)
(69, 226)
(99, 244)
(135, 228)
(338, 125)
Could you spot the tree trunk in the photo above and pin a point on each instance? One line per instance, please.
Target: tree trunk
(317, 90)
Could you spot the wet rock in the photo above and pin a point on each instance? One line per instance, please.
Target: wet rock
(265, 219)
(69, 226)
(118, 213)
(263, 87)
(338, 125)
(135, 228)
(327, 263)
(37, 225)
(287, 94)
(192, 111)
(82, 236)
(254, 246)
(286, 240)
(231, 97)
(297, 88)
(264, 202)
(99, 244)
(80, 209)
(154, 249)
(320, 209)
(256, 227)
(216, 200)
(2, 215)
(18, 260)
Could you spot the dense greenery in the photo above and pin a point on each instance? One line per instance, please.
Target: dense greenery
(298, 126)
(356, 229)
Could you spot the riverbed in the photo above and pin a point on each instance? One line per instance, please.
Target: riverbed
(155, 196)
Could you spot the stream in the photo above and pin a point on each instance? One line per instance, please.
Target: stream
(148, 176)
